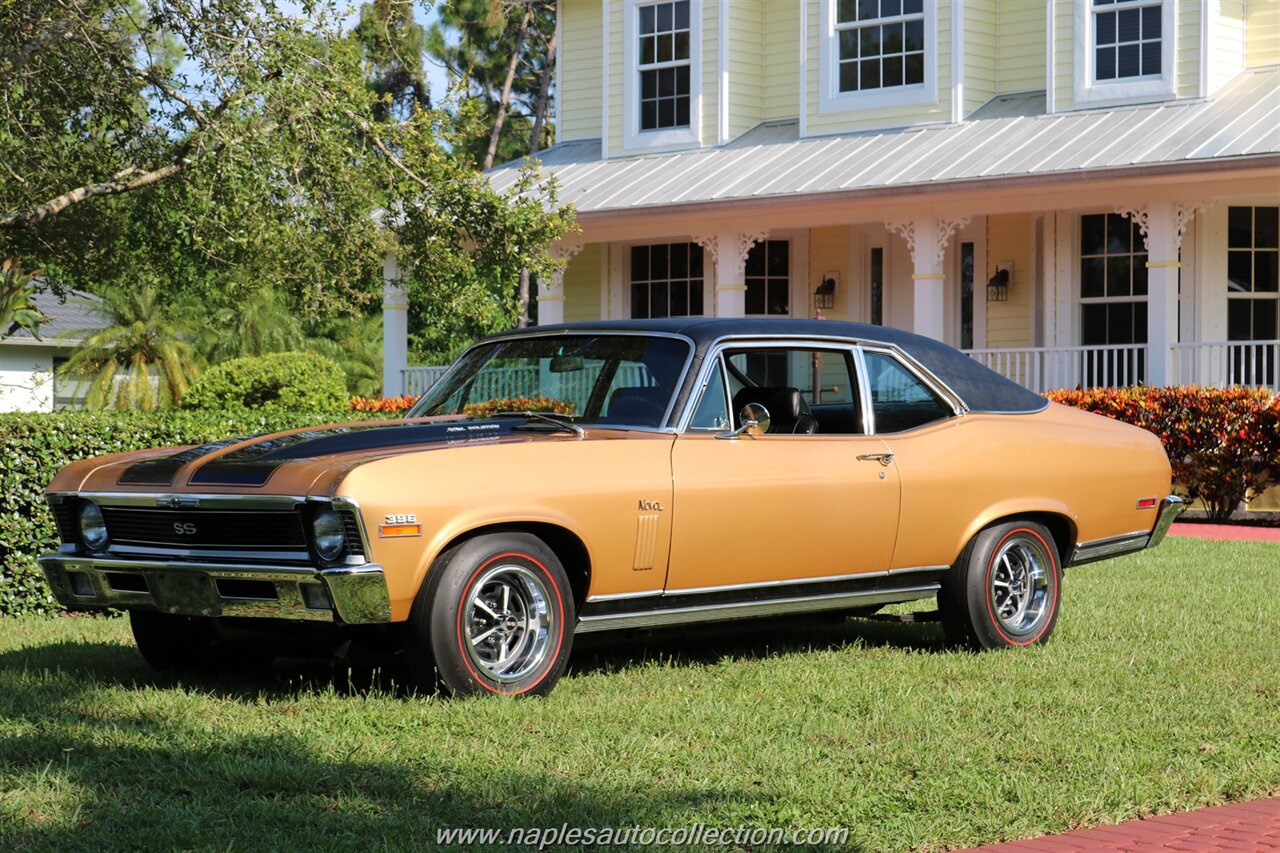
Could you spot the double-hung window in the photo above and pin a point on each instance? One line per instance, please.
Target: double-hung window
(1124, 49)
(877, 53)
(661, 57)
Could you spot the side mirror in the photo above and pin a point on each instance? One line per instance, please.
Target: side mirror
(753, 420)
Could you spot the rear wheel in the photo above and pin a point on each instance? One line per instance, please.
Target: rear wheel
(495, 616)
(1005, 589)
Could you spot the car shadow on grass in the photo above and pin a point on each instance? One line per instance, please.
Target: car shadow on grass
(751, 639)
(754, 639)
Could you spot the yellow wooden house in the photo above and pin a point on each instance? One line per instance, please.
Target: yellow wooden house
(1077, 192)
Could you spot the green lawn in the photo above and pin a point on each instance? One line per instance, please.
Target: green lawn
(1160, 692)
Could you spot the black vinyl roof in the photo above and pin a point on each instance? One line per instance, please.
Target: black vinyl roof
(980, 388)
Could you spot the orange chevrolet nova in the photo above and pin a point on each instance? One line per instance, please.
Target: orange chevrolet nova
(617, 475)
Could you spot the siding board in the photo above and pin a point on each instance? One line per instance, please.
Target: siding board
(579, 100)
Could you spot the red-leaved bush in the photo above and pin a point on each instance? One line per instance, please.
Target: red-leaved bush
(1223, 443)
(519, 404)
(389, 405)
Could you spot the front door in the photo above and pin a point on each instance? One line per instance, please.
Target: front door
(794, 504)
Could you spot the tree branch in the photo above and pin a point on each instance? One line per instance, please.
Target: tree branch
(59, 203)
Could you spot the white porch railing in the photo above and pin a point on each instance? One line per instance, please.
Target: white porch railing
(416, 381)
(1221, 363)
(1045, 368)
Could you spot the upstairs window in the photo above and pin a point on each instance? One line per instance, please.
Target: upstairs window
(1127, 40)
(880, 44)
(1124, 51)
(877, 53)
(661, 55)
(664, 65)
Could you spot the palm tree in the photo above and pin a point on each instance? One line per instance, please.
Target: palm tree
(355, 343)
(143, 360)
(264, 323)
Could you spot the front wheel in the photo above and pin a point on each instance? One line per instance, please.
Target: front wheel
(496, 615)
(1005, 589)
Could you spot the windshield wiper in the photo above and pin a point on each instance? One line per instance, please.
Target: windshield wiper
(555, 420)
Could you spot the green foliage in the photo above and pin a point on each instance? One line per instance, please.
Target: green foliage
(474, 40)
(1223, 443)
(17, 311)
(264, 323)
(34, 446)
(393, 46)
(229, 148)
(143, 360)
(279, 382)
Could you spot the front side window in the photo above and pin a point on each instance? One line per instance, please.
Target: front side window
(808, 391)
(899, 399)
(880, 44)
(666, 280)
(664, 65)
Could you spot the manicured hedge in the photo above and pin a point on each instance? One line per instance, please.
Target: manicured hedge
(1223, 443)
(34, 446)
(279, 382)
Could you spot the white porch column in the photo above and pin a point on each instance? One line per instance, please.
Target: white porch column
(1162, 223)
(728, 251)
(551, 294)
(1162, 241)
(395, 328)
(927, 239)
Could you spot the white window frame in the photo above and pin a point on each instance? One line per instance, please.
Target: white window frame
(633, 138)
(1091, 92)
(832, 100)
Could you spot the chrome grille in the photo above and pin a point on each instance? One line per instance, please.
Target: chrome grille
(64, 516)
(257, 530)
(351, 529)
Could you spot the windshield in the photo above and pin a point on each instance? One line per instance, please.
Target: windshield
(591, 379)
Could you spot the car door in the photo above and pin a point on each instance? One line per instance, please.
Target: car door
(788, 505)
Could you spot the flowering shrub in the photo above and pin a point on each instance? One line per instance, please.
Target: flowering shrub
(519, 404)
(386, 405)
(1223, 443)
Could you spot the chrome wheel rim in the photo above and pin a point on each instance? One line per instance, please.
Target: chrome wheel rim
(507, 623)
(1020, 585)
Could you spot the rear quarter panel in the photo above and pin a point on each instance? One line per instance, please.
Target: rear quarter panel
(959, 476)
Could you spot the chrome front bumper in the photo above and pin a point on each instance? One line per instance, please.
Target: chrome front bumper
(355, 595)
(1102, 549)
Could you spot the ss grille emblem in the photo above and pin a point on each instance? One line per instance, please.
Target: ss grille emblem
(184, 528)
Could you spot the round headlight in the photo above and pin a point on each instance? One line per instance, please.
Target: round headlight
(93, 530)
(327, 533)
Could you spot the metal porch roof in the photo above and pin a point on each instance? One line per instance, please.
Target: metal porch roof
(1007, 138)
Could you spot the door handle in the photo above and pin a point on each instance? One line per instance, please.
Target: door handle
(885, 459)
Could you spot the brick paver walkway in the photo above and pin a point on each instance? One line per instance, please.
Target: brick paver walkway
(1232, 532)
(1242, 828)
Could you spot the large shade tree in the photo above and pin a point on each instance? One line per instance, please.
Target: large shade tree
(221, 148)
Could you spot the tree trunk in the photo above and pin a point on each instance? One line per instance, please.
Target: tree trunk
(523, 320)
(544, 96)
(505, 99)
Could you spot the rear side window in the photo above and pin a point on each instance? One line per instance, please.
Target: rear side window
(899, 399)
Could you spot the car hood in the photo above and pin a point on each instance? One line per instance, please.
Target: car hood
(292, 462)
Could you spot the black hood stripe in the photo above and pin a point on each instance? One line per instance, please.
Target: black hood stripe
(161, 470)
(254, 464)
